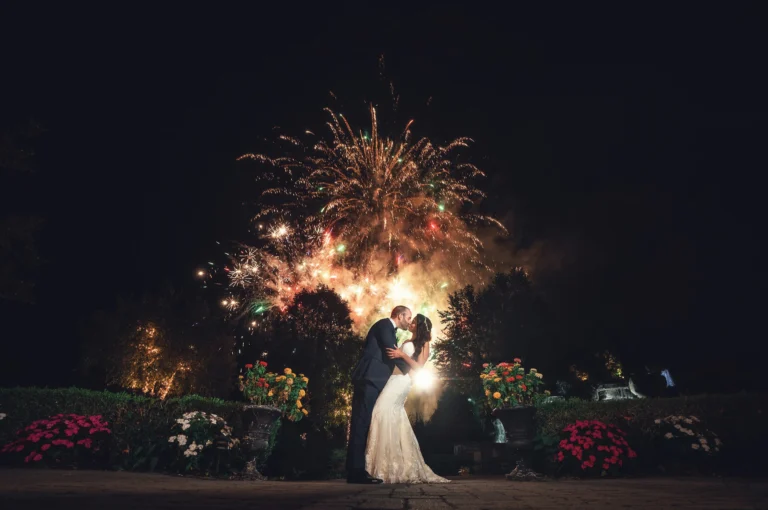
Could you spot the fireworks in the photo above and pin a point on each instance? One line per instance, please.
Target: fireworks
(381, 221)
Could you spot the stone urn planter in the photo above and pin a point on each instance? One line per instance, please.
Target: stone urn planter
(520, 431)
(260, 421)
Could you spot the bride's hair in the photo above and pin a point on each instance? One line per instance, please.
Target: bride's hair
(423, 334)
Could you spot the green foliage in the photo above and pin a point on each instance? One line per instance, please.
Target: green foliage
(140, 425)
(506, 319)
(740, 421)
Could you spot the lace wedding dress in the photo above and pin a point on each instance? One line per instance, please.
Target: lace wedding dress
(393, 452)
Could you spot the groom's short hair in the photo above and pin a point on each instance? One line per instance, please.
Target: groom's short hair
(398, 310)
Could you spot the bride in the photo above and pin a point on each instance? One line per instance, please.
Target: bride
(393, 453)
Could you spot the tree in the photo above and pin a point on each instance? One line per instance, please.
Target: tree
(162, 345)
(314, 336)
(508, 319)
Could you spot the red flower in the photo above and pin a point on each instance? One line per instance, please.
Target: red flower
(523, 387)
(249, 366)
(485, 365)
(510, 379)
(263, 363)
(519, 377)
(517, 360)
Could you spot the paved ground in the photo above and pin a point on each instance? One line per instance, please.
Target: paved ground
(86, 490)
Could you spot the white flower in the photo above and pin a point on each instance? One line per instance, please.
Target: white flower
(208, 443)
(706, 448)
(185, 426)
(190, 453)
(182, 439)
(688, 431)
(2, 416)
(657, 421)
(718, 442)
(668, 435)
(688, 421)
(703, 441)
(695, 446)
(678, 426)
(172, 439)
(695, 419)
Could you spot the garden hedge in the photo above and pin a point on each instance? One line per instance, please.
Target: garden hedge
(140, 425)
(740, 420)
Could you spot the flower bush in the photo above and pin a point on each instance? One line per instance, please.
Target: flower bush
(63, 439)
(591, 447)
(685, 438)
(284, 391)
(507, 385)
(195, 436)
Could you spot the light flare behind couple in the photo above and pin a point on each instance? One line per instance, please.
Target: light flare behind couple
(382, 446)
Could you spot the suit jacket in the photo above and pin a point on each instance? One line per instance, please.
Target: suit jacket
(374, 365)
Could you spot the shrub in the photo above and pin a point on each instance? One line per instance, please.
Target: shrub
(66, 440)
(195, 438)
(140, 425)
(590, 447)
(739, 419)
(682, 442)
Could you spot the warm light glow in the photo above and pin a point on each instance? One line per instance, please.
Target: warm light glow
(424, 380)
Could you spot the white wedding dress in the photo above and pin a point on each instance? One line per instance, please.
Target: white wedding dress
(393, 453)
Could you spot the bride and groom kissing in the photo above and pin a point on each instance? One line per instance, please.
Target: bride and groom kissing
(382, 446)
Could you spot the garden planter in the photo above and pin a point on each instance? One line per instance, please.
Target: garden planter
(260, 421)
(520, 430)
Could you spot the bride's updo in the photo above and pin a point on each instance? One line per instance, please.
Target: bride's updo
(422, 335)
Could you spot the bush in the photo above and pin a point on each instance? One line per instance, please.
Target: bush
(61, 440)
(739, 420)
(196, 438)
(140, 425)
(592, 448)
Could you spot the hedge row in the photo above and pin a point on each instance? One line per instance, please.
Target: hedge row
(741, 421)
(140, 425)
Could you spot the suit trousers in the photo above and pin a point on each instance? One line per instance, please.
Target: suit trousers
(363, 401)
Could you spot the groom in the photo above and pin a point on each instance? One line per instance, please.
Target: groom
(369, 377)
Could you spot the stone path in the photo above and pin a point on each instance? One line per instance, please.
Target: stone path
(87, 490)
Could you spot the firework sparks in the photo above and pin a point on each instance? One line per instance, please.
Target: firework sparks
(381, 221)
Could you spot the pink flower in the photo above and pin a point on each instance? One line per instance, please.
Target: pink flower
(606, 466)
(38, 458)
(85, 442)
(632, 453)
(45, 447)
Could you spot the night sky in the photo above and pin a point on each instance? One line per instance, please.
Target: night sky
(624, 151)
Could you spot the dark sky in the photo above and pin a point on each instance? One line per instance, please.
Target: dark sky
(624, 149)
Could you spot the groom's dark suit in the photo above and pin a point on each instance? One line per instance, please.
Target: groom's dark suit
(369, 377)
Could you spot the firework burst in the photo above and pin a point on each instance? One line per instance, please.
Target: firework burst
(382, 221)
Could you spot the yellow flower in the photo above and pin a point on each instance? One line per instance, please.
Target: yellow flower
(539, 375)
(547, 392)
(298, 404)
(497, 395)
(302, 393)
(533, 370)
(487, 392)
(483, 376)
(498, 379)
(289, 381)
(304, 411)
(279, 378)
(306, 379)
(287, 371)
(270, 393)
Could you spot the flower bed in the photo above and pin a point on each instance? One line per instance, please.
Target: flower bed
(139, 426)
